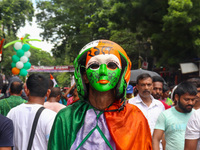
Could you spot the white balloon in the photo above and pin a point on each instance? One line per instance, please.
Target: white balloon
(18, 45)
(27, 54)
(19, 64)
(24, 59)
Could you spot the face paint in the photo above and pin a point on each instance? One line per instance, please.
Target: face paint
(103, 72)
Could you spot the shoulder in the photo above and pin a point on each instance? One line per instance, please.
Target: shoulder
(48, 112)
(134, 99)
(134, 110)
(80, 107)
(4, 119)
(159, 103)
(5, 123)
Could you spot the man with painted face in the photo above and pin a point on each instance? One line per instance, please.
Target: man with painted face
(100, 119)
(173, 121)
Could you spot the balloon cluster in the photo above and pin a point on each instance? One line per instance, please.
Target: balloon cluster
(20, 62)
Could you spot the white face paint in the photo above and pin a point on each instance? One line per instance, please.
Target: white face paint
(104, 59)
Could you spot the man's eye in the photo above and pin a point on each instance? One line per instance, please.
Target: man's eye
(112, 65)
(94, 66)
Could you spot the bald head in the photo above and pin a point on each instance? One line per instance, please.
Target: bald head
(55, 94)
(16, 87)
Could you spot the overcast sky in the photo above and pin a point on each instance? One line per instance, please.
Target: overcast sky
(34, 32)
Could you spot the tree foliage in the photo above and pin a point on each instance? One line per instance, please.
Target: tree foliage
(164, 33)
(13, 14)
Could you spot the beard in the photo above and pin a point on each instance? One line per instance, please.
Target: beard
(185, 108)
(156, 96)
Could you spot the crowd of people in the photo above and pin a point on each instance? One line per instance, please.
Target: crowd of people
(102, 110)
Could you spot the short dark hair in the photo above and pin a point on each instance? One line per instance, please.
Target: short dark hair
(158, 79)
(165, 88)
(185, 87)
(37, 85)
(16, 87)
(55, 91)
(195, 81)
(143, 76)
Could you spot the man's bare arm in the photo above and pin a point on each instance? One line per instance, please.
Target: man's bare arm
(157, 136)
(191, 144)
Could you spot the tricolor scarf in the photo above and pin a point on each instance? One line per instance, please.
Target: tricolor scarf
(80, 126)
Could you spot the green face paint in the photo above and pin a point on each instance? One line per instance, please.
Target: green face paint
(104, 77)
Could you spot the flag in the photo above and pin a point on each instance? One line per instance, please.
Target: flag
(80, 126)
(1, 48)
(54, 81)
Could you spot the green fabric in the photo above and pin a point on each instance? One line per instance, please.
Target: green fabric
(63, 133)
(64, 102)
(8, 103)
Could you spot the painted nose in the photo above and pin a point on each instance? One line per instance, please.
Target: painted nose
(103, 69)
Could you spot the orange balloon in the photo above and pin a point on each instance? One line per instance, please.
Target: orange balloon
(15, 71)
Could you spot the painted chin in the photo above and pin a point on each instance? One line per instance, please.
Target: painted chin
(103, 81)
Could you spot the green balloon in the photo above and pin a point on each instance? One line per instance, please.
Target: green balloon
(15, 58)
(20, 53)
(27, 65)
(25, 47)
(23, 72)
(13, 64)
(14, 49)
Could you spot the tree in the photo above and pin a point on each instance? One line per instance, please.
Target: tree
(66, 24)
(13, 14)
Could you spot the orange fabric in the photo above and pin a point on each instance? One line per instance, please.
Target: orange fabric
(129, 128)
(51, 77)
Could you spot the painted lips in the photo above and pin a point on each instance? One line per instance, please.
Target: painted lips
(103, 81)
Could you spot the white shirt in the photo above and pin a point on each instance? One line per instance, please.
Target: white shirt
(193, 127)
(152, 112)
(22, 117)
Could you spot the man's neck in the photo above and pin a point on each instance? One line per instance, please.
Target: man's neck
(36, 100)
(101, 100)
(15, 94)
(52, 99)
(146, 100)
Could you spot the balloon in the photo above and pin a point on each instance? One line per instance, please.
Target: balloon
(19, 64)
(14, 49)
(13, 64)
(25, 47)
(27, 54)
(23, 72)
(15, 71)
(24, 59)
(15, 58)
(20, 53)
(27, 65)
(18, 45)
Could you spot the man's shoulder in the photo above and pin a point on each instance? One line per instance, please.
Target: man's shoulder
(4, 120)
(81, 106)
(134, 100)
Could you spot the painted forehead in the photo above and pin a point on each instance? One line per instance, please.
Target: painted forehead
(104, 59)
(103, 51)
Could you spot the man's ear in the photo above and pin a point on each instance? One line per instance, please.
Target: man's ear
(27, 91)
(85, 78)
(176, 97)
(136, 86)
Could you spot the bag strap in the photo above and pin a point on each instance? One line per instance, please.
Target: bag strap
(30, 143)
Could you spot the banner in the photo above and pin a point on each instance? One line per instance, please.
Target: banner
(51, 68)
